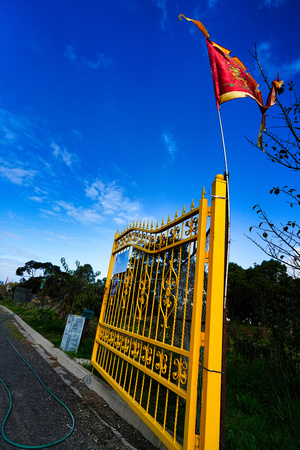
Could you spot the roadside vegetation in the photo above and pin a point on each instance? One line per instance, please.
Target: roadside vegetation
(263, 350)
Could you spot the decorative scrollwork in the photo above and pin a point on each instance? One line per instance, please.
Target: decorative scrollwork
(111, 338)
(142, 293)
(175, 234)
(181, 374)
(168, 300)
(126, 289)
(106, 335)
(142, 237)
(162, 363)
(147, 358)
(192, 226)
(141, 301)
(136, 349)
(125, 344)
(118, 340)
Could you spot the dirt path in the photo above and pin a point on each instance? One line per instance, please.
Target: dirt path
(37, 418)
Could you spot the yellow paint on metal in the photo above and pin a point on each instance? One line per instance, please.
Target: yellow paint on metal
(211, 389)
(149, 334)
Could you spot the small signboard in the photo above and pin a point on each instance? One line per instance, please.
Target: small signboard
(114, 287)
(121, 262)
(72, 334)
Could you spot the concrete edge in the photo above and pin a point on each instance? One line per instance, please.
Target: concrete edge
(105, 391)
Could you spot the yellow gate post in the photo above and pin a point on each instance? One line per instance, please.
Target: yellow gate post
(211, 390)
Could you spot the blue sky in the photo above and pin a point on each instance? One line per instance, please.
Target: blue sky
(107, 115)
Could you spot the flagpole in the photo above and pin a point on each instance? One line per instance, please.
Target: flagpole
(226, 263)
(227, 209)
(223, 142)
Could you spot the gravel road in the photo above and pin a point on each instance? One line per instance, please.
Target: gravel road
(37, 418)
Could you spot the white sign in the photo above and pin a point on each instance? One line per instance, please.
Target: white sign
(121, 262)
(72, 334)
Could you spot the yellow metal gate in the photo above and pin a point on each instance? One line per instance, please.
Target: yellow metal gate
(159, 337)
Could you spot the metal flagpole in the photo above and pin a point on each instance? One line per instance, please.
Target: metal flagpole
(227, 241)
(227, 208)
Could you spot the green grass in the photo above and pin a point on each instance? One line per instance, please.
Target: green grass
(52, 330)
(262, 390)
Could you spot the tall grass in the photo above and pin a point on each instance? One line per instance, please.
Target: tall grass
(262, 393)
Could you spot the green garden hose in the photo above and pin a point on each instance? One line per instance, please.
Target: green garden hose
(10, 406)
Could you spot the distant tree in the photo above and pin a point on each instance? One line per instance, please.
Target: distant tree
(267, 295)
(281, 241)
(69, 291)
(80, 288)
(30, 267)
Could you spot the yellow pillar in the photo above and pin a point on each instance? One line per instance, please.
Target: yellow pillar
(211, 390)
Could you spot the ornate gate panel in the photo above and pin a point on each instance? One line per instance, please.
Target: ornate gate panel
(153, 341)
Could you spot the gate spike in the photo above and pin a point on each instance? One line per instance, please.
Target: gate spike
(203, 193)
(162, 223)
(140, 224)
(192, 205)
(144, 224)
(183, 211)
(176, 215)
(157, 225)
(147, 228)
(152, 225)
(168, 219)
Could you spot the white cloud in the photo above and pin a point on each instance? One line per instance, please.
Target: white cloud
(113, 202)
(8, 269)
(273, 3)
(80, 214)
(119, 221)
(290, 69)
(212, 3)
(272, 66)
(170, 144)
(69, 53)
(162, 5)
(62, 153)
(12, 250)
(17, 130)
(17, 175)
(37, 199)
(100, 61)
(7, 234)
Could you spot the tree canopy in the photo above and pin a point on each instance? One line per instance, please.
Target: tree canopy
(68, 290)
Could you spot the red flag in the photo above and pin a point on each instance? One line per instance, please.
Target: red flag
(232, 80)
(230, 77)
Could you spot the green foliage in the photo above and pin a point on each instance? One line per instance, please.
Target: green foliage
(68, 291)
(262, 398)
